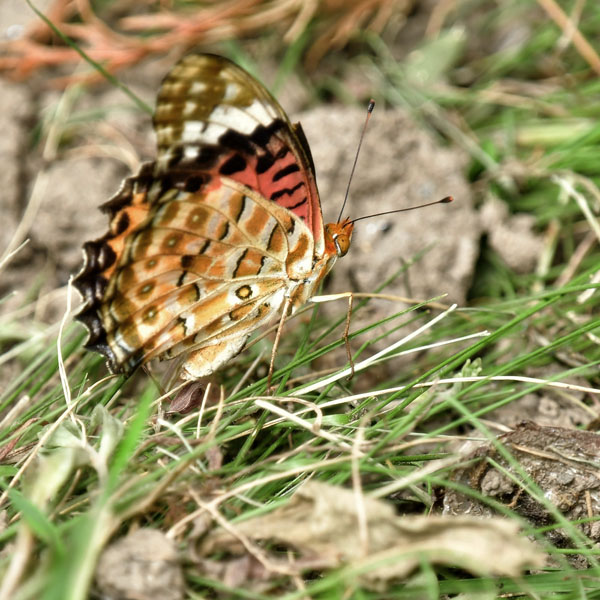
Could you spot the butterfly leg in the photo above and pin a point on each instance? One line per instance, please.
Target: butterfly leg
(286, 308)
(346, 334)
(157, 383)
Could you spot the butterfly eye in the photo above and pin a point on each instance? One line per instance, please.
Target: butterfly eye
(342, 244)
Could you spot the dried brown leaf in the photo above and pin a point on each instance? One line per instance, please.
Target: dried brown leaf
(188, 398)
(321, 523)
(125, 40)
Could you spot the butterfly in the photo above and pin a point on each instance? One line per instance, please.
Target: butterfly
(217, 236)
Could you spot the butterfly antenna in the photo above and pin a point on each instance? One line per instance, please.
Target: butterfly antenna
(362, 135)
(445, 200)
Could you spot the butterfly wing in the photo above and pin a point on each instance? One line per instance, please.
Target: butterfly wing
(212, 116)
(199, 253)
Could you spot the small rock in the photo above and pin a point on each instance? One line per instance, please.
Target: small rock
(141, 566)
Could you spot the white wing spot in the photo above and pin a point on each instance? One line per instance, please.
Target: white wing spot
(189, 108)
(197, 87)
(190, 322)
(236, 119)
(192, 131)
(260, 112)
(231, 92)
(191, 152)
(200, 131)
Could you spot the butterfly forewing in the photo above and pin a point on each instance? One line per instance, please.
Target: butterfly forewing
(211, 115)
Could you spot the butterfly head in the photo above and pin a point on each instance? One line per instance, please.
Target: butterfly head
(338, 237)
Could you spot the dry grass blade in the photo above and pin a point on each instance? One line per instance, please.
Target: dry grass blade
(159, 32)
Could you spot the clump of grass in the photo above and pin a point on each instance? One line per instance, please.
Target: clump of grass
(107, 457)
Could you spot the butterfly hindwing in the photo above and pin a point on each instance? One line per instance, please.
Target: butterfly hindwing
(198, 264)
